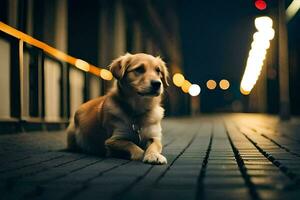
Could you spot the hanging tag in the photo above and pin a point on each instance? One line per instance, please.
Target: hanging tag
(135, 128)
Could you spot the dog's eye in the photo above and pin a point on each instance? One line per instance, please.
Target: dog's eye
(157, 69)
(139, 70)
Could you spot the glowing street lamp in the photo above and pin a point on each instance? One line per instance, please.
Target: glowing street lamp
(257, 53)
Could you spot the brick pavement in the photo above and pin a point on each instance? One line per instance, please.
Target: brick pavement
(233, 156)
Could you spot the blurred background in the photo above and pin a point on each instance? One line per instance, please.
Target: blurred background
(210, 47)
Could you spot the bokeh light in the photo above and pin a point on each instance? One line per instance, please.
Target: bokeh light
(194, 90)
(257, 53)
(105, 74)
(263, 23)
(244, 92)
(260, 5)
(81, 64)
(224, 84)
(211, 84)
(178, 79)
(292, 10)
(186, 86)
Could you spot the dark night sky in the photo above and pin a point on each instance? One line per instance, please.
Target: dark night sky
(216, 37)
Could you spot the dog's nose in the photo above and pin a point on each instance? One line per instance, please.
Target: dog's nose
(155, 84)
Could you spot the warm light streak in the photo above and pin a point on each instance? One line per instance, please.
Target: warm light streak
(80, 64)
(257, 54)
(292, 10)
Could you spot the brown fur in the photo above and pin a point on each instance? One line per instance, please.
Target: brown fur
(127, 119)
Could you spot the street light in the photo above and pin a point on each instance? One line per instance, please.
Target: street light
(257, 54)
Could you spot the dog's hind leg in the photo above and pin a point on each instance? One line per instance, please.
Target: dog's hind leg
(71, 137)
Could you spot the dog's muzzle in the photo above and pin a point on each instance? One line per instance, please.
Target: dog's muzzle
(154, 89)
(155, 85)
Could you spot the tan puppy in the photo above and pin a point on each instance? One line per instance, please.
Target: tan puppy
(127, 119)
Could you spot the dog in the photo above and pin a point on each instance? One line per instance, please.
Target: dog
(127, 120)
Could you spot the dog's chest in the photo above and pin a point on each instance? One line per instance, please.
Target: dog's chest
(141, 134)
(149, 131)
(138, 128)
(148, 126)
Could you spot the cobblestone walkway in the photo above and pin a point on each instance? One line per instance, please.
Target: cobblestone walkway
(238, 156)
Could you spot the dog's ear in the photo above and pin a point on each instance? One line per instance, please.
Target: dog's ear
(164, 71)
(118, 66)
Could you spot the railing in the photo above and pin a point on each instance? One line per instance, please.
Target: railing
(40, 85)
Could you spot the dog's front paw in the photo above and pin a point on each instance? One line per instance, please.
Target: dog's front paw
(155, 158)
(137, 155)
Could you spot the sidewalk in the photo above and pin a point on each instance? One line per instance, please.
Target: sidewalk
(234, 156)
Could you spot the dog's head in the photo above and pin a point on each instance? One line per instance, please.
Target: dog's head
(141, 73)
